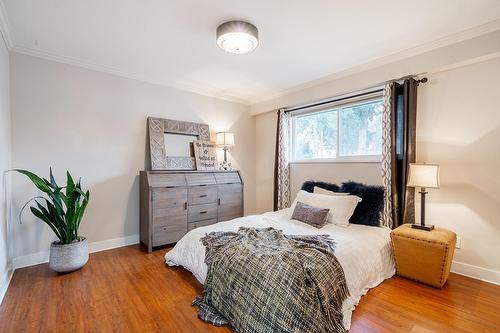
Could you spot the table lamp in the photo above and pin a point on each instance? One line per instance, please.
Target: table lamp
(423, 176)
(225, 140)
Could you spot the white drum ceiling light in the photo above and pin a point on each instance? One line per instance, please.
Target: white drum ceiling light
(237, 37)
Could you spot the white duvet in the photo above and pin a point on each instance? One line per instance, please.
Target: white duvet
(364, 252)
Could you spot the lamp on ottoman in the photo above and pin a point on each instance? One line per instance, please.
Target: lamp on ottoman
(423, 176)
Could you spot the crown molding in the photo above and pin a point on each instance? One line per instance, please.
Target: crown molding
(5, 27)
(397, 56)
(215, 93)
(183, 86)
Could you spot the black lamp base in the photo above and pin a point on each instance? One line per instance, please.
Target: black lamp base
(422, 227)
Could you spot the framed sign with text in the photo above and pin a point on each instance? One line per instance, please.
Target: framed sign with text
(205, 155)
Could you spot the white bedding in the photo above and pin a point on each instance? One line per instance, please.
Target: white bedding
(364, 252)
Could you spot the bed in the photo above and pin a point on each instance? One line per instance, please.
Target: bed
(364, 252)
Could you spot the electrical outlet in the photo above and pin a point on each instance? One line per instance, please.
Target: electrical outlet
(459, 242)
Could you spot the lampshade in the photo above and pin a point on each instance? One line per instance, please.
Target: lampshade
(423, 175)
(225, 139)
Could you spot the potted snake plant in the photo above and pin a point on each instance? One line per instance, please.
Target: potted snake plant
(61, 208)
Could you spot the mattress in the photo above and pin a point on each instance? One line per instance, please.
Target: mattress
(363, 251)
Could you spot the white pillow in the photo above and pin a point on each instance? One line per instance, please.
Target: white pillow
(341, 206)
(319, 190)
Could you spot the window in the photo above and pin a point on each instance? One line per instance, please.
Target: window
(347, 132)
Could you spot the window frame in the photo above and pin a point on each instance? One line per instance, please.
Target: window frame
(376, 96)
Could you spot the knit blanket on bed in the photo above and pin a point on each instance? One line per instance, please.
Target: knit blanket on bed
(260, 280)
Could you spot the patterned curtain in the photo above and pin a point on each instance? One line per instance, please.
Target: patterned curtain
(282, 162)
(398, 150)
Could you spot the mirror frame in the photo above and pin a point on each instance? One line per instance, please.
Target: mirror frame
(157, 127)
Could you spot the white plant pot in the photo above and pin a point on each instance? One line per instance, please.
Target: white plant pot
(69, 257)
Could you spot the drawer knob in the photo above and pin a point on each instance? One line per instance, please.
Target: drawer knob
(203, 196)
(204, 212)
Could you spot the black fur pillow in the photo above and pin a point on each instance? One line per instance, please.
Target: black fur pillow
(369, 210)
(308, 186)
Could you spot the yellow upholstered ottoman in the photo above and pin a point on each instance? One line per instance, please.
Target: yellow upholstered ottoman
(423, 256)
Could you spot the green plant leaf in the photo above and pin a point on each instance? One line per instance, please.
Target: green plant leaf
(57, 200)
(37, 181)
(52, 179)
(26, 204)
(81, 209)
(45, 219)
(70, 185)
(64, 211)
(57, 219)
(85, 195)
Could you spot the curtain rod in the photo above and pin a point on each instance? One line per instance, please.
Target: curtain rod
(372, 89)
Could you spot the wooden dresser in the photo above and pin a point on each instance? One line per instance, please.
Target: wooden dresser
(175, 202)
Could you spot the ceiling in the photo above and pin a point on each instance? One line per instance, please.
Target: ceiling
(173, 42)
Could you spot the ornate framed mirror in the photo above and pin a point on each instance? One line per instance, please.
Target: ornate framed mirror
(170, 143)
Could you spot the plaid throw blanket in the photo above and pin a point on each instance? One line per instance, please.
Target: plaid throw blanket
(260, 280)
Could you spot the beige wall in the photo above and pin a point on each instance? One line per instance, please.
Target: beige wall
(94, 125)
(5, 158)
(458, 126)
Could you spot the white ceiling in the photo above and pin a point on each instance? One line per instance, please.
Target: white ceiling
(172, 42)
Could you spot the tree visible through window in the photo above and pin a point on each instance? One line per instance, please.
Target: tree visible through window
(344, 132)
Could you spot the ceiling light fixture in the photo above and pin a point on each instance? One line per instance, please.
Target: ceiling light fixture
(237, 37)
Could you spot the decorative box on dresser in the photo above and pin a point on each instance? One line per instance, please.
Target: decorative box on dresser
(175, 202)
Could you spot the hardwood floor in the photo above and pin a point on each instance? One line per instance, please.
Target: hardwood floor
(128, 290)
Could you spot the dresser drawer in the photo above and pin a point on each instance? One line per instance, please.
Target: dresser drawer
(227, 178)
(169, 197)
(169, 216)
(194, 225)
(202, 194)
(200, 179)
(164, 180)
(168, 232)
(202, 212)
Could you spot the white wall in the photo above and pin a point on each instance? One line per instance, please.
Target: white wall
(5, 159)
(94, 125)
(458, 126)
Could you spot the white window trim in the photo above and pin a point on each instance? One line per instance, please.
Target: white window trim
(331, 107)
